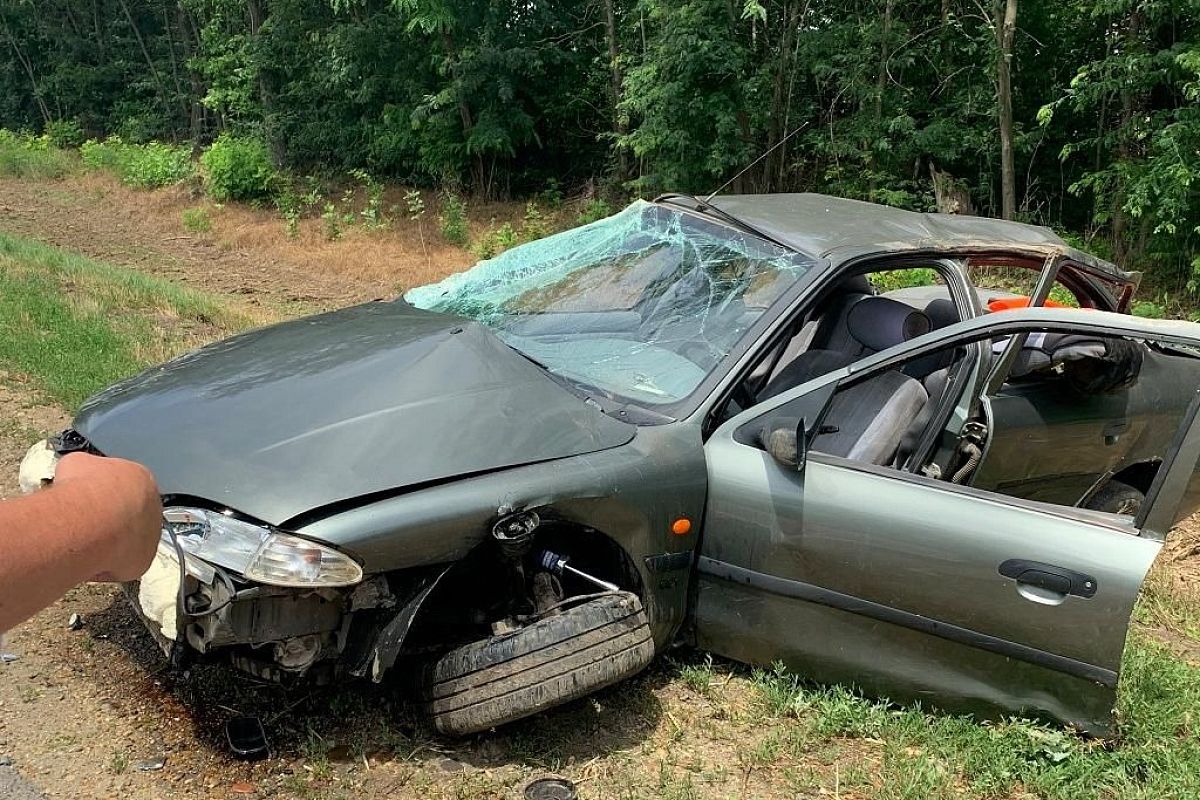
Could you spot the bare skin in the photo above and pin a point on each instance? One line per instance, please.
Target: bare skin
(99, 521)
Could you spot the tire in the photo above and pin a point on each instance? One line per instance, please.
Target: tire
(560, 658)
(1117, 498)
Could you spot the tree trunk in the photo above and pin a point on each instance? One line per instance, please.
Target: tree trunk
(781, 97)
(950, 195)
(885, 42)
(33, 84)
(615, 81)
(189, 39)
(1128, 148)
(1006, 28)
(158, 85)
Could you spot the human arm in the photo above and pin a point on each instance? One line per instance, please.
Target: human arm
(100, 520)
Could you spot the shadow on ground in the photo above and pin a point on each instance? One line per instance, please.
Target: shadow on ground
(358, 719)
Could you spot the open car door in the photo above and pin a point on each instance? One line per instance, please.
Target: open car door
(920, 589)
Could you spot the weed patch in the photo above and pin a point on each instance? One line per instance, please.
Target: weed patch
(142, 166)
(24, 156)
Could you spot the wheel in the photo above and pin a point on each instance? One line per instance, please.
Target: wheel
(554, 660)
(1117, 498)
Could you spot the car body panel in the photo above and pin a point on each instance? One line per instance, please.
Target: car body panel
(894, 581)
(632, 494)
(840, 230)
(374, 398)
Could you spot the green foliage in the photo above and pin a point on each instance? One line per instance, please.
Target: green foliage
(496, 241)
(64, 133)
(372, 213)
(143, 166)
(25, 156)
(196, 220)
(454, 220)
(332, 217)
(541, 100)
(239, 168)
(534, 225)
(1148, 309)
(593, 210)
(903, 278)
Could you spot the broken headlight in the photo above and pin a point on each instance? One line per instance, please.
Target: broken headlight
(259, 554)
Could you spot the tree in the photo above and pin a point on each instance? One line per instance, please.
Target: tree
(1006, 26)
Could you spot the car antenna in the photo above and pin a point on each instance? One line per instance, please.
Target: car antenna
(746, 168)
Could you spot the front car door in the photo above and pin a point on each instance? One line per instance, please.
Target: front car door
(918, 589)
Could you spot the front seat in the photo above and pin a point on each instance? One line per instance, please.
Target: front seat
(867, 421)
(871, 324)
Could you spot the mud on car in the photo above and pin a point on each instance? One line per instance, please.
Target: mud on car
(929, 455)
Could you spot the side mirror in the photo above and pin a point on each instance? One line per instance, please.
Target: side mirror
(786, 443)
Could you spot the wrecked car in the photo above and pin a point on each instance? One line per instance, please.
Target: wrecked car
(928, 455)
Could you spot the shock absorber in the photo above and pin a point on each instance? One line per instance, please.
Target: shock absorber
(514, 534)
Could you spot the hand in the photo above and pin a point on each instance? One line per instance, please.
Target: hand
(124, 505)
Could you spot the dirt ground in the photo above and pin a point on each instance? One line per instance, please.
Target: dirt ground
(92, 713)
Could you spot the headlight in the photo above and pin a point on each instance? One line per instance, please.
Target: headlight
(259, 554)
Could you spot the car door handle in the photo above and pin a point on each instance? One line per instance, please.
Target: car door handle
(1049, 577)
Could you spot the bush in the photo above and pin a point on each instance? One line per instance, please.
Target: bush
(454, 220)
(64, 133)
(534, 225)
(238, 168)
(25, 156)
(594, 209)
(496, 241)
(144, 166)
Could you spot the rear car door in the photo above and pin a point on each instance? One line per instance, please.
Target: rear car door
(918, 589)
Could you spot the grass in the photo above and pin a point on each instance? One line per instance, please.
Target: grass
(24, 156)
(74, 325)
(923, 755)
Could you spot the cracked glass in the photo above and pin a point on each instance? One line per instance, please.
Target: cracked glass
(641, 305)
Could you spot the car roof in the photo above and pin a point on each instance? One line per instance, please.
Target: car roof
(839, 230)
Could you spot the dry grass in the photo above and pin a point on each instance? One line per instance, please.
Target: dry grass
(392, 258)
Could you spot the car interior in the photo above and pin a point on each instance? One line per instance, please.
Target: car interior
(878, 420)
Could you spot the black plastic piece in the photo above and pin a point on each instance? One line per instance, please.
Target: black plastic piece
(1050, 577)
(247, 738)
(71, 441)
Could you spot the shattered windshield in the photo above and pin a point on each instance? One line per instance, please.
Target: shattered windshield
(642, 305)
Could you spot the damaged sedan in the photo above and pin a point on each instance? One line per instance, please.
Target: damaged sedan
(928, 455)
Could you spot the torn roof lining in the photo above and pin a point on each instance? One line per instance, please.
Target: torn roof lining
(687, 285)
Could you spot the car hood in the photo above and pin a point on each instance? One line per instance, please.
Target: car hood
(374, 398)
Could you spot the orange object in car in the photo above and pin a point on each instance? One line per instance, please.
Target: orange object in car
(1007, 303)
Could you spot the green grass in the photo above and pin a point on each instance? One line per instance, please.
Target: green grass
(1157, 753)
(74, 325)
(25, 156)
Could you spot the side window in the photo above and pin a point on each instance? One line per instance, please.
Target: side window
(1080, 419)
(1001, 285)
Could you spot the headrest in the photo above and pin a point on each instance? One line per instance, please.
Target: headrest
(878, 323)
(941, 312)
(856, 284)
